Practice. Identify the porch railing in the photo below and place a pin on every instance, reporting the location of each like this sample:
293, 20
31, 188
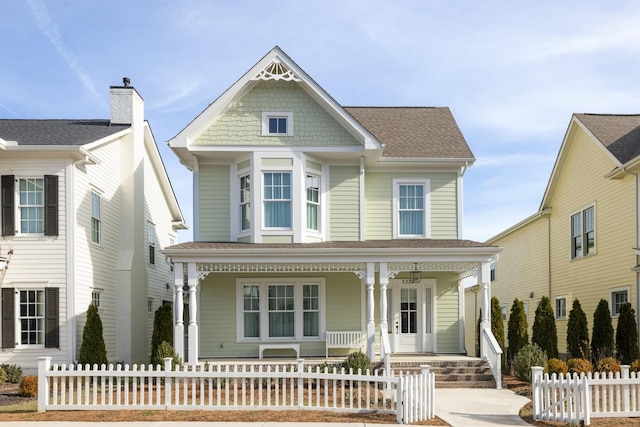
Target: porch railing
492, 353
234, 387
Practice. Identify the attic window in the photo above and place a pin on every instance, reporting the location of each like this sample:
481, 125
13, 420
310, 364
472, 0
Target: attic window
277, 123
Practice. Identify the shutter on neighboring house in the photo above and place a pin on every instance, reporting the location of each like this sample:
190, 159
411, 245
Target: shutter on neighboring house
8, 318
51, 327
50, 205
8, 209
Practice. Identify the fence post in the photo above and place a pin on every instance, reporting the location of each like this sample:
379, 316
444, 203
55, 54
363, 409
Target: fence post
536, 378
586, 400
44, 364
425, 384
300, 383
625, 388
168, 366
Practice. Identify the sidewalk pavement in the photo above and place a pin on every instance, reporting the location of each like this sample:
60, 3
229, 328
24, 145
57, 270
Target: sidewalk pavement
460, 407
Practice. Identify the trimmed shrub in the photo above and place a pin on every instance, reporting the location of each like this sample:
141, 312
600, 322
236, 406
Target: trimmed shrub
92, 349
556, 366
608, 364
635, 366
3, 376
579, 366
602, 334
577, 332
497, 324
544, 329
357, 360
166, 350
13, 373
162, 330
530, 355
627, 336
29, 386
517, 334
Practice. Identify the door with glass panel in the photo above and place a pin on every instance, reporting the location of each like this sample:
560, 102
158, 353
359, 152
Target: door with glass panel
412, 326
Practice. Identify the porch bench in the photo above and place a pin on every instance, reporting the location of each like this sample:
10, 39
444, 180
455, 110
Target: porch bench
272, 346
344, 339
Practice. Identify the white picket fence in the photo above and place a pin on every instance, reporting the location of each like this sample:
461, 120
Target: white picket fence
573, 398
234, 387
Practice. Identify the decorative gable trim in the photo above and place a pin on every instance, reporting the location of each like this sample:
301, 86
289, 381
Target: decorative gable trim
276, 70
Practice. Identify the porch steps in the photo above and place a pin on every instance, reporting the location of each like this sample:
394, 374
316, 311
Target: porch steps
453, 374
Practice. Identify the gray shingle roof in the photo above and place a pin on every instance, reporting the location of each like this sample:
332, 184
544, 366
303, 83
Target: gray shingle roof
369, 244
56, 132
619, 133
414, 132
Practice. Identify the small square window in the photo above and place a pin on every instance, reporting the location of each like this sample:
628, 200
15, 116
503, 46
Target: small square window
277, 123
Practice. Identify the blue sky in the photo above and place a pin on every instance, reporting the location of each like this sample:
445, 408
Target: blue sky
512, 73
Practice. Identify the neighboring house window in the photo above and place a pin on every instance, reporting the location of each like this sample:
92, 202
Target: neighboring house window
277, 199
619, 297
313, 202
503, 310
29, 205
282, 309
96, 217
583, 237
149, 305
561, 307
30, 317
493, 271
526, 309
277, 123
152, 244
245, 202
95, 298
411, 216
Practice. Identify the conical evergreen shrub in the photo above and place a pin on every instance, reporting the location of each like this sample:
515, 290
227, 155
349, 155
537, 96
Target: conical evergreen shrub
627, 336
92, 349
517, 334
602, 334
162, 330
497, 324
545, 334
577, 333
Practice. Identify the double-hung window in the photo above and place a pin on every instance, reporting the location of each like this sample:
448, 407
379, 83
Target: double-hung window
277, 199
30, 317
96, 217
313, 202
583, 236
287, 309
152, 243
29, 205
619, 297
411, 215
561, 307
245, 202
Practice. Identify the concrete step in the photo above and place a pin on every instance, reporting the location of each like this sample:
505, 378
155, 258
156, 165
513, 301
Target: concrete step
453, 374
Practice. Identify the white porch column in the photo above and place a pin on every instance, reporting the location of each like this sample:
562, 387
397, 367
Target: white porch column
371, 324
178, 329
485, 323
384, 322
461, 315
194, 338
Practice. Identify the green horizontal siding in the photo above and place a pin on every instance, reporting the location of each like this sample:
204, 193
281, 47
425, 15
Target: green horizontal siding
214, 209
345, 203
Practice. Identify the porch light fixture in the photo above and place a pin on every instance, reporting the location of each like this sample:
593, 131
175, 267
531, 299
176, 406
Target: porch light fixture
416, 275
4, 260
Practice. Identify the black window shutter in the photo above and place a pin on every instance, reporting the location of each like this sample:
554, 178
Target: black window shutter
50, 205
8, 209
8, 318
51, 310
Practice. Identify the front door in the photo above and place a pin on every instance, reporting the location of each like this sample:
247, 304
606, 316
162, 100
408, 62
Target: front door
412, 326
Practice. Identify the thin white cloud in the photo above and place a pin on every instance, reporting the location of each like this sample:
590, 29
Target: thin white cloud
50, 30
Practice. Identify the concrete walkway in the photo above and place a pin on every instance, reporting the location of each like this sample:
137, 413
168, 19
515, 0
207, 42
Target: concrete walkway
460, 407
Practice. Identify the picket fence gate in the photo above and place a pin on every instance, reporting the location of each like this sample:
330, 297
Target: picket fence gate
234, 387
575, 398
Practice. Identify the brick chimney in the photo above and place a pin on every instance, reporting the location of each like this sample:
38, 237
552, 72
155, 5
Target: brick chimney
127, 106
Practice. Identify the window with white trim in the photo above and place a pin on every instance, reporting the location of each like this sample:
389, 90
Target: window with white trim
95, 298
31, 205
503, 310
286, 309
313, 202
245, 202
619, 297
411, 208
278, 123
152, 243
96, 217
31, 317
561, 307
583, 235
277, 199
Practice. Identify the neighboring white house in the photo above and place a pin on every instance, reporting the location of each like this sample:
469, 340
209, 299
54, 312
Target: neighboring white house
312, 218
86, 208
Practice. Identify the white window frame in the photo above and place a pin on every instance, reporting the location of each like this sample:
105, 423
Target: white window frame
152, 241
562, 313
583, 233
503, 311
19, 206
263, 287
426, 183
615, 312
96, 297
266, 115
96, 220
317, 204
246, 202
292, 187
18, 318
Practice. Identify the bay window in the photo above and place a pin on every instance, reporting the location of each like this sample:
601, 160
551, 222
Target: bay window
313, 202
277, 199
245, 202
